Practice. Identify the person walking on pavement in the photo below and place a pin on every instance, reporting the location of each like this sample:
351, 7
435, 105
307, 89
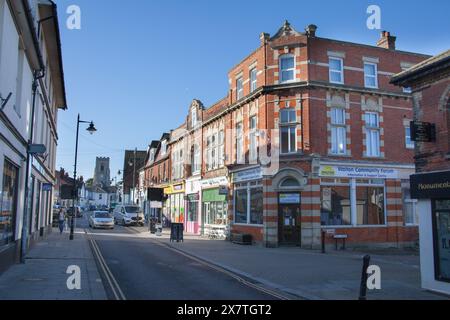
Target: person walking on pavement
61, 220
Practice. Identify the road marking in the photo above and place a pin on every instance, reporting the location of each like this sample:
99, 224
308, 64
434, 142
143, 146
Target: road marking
115, 288
224, 271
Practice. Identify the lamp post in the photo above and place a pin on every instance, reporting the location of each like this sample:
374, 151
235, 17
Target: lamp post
91, 129
134, 174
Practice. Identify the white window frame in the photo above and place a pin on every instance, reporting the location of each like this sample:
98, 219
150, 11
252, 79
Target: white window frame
248, 187
253, 79
196, 160
411, 144
193, 117
291, 125
341, 71
375, 76
239, 88
370, 131
239, 143
221, 148
285, 56
337, 129
253, 138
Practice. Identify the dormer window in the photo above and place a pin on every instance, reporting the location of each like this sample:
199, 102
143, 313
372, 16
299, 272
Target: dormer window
287, 68
163, 147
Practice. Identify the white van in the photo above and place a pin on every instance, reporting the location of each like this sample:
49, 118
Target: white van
128, 215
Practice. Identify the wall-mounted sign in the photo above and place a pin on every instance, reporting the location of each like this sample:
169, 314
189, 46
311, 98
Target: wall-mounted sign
223, 190
423, 131
289, 198
247, 175
330, 171
214, 182
156, 204
430, 185
177, 188
47, 187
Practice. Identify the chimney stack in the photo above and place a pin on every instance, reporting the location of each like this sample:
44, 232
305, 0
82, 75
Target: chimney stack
264, 37
311, 31
386, 41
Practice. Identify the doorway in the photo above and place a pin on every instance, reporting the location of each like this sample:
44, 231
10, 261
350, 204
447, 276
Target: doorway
289, 214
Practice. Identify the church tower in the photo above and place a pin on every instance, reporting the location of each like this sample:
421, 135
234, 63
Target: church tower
102, 175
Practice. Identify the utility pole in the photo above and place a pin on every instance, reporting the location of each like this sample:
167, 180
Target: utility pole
134, 176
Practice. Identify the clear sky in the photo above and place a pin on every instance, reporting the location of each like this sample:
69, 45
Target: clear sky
135, 65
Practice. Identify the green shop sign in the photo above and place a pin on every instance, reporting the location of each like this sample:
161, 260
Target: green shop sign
212, 195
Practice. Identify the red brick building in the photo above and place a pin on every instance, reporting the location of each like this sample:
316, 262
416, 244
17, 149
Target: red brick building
337, 137
430, 84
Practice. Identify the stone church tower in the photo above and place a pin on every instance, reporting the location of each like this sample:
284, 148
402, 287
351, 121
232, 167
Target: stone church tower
102, 175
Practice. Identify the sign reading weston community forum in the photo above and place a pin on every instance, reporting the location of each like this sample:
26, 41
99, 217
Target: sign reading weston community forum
357, 172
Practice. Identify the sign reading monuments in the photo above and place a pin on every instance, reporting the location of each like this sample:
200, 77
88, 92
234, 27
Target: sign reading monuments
430, 185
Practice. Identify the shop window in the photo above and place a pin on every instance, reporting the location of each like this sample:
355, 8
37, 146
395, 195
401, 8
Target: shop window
8, 204
256, 206
336, 205
410, 213
441, 234
192, 211
249, 205
370, 205
240, 211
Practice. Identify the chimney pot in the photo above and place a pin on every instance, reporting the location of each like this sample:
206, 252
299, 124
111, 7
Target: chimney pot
311, 30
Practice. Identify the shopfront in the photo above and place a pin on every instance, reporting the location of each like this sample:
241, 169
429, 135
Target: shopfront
175, 206
433, 193
248, 199
214, 213
367, 203
193, 208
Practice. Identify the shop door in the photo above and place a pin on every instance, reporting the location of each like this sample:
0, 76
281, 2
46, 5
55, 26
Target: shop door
289, 213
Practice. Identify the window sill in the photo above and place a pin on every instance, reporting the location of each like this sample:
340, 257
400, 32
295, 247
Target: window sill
374, 157
339, 155
356, 227
248, 225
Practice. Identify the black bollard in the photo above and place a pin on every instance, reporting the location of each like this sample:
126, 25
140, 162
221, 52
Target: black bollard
364, 276
323, 241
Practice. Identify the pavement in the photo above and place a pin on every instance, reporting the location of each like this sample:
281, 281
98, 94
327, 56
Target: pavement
44, 277
309, 274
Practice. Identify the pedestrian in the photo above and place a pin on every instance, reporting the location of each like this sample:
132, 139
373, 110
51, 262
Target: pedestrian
61, 220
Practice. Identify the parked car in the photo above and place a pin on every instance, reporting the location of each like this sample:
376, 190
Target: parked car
101, 219
129, 215
92, 208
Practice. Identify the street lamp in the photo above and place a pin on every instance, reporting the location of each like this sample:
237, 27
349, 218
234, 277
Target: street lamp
91, 129
133, 164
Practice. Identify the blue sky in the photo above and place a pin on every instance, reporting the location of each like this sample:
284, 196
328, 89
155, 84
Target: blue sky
135, 66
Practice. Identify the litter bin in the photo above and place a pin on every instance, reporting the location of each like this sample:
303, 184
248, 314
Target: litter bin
159, 230
176, 232
152, 225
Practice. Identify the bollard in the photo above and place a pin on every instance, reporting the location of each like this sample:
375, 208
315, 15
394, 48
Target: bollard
363, 287
323, 241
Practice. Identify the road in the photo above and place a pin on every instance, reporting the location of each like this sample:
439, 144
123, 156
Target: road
143, 269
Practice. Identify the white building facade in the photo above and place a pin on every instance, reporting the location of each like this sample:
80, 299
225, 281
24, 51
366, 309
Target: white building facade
32, 91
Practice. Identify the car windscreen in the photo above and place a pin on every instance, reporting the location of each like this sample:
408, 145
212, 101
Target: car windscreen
102, 215
132, 209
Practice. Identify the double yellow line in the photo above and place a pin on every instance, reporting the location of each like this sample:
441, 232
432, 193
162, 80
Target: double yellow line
224, 271
112, 282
